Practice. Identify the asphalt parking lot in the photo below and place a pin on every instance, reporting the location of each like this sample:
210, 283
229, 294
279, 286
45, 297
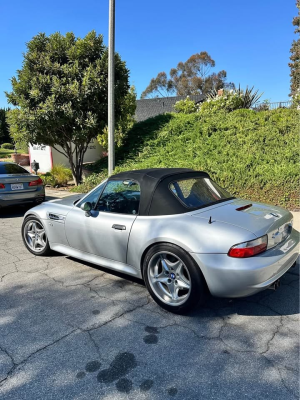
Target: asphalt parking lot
70, 330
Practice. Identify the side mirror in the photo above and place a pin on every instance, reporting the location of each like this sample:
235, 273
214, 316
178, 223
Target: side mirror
87, 208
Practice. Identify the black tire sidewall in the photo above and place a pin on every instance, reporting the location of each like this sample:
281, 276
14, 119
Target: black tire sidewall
47, 251
199, 290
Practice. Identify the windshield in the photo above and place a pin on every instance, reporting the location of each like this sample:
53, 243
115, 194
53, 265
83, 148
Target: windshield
198, 192
6, 169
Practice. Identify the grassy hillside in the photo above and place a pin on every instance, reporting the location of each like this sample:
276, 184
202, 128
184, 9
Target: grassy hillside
252, 154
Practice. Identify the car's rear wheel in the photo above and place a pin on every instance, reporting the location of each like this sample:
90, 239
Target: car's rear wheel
34, 236
173, 278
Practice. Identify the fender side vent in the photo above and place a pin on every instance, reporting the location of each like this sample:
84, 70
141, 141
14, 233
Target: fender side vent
56, 217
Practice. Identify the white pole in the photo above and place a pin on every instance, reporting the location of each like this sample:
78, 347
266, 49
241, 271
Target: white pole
111, 88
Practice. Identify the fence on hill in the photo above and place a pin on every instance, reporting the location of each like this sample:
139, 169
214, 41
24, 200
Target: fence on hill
272, 106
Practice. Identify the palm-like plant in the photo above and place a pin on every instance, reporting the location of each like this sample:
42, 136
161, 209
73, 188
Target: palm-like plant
249, 96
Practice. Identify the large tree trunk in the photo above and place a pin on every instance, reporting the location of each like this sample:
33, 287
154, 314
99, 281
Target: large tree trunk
77, 165
74, 164
75, 157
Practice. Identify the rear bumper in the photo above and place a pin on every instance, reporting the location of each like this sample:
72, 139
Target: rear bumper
240, 277
22, 198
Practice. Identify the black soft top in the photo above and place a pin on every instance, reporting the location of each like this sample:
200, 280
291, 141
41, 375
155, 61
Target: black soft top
156, 197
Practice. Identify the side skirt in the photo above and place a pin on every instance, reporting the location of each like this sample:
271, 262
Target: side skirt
97, 260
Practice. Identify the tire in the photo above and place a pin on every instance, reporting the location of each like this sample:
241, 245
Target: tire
35, 240
173, 278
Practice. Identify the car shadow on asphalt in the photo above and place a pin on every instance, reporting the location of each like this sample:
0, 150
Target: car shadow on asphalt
109, 271
15, 211
283, 301
19, 210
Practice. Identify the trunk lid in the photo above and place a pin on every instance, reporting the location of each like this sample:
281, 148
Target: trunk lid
13, 179
259, 218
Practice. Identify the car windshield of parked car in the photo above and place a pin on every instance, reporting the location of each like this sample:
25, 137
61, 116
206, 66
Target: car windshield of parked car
6, 169
198, 192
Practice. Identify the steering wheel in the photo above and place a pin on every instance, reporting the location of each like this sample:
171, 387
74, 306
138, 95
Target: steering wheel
117, 195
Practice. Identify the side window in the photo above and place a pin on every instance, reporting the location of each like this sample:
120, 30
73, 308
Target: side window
93, 196
120, 197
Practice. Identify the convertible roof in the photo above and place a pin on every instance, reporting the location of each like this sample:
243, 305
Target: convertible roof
156, 197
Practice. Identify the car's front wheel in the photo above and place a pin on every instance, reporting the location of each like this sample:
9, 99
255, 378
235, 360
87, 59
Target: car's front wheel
34, 236
173, 278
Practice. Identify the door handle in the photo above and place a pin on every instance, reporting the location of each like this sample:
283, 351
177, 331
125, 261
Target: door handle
119, 227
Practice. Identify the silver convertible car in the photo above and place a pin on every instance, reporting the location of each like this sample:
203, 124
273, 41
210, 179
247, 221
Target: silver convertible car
175, 228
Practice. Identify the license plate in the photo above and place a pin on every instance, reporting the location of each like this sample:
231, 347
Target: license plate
17, 186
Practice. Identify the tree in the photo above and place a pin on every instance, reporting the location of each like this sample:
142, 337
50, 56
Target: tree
61, 94
188, 78
124, 123
4, 128
295, 57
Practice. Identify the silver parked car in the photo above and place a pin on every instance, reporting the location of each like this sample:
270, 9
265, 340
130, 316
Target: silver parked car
175, 228
18, 186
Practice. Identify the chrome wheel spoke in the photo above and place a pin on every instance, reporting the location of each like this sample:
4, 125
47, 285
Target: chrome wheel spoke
33, 241
176, 266
161, 278
164, 264
173, 290
39, 241
33, 227
181, 284
31, 234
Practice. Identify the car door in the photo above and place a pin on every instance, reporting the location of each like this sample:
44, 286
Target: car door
105, 232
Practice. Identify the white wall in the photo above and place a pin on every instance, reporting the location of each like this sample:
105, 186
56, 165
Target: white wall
41, 154
47, 156
93, 153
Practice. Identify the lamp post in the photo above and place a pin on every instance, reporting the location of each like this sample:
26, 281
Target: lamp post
111, 88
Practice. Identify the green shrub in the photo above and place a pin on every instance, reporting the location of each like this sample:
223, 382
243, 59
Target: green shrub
186, 106
49, 179
7, 146
230, 100
226, 102
59, 176
90, 182
252, 154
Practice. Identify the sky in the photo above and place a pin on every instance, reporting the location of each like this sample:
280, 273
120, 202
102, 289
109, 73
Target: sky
251, 40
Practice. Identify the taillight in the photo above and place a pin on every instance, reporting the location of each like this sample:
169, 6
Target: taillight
36, 183
2, 186
249, 249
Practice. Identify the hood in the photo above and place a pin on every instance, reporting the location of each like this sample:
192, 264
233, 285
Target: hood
259, 218
67, 201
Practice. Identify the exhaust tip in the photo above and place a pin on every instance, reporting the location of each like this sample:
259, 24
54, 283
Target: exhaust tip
275, 285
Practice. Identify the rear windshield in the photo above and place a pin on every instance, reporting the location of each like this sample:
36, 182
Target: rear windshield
12, 169
198, 192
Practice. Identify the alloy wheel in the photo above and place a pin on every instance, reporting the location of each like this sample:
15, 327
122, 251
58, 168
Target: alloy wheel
35, 236
169, 278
